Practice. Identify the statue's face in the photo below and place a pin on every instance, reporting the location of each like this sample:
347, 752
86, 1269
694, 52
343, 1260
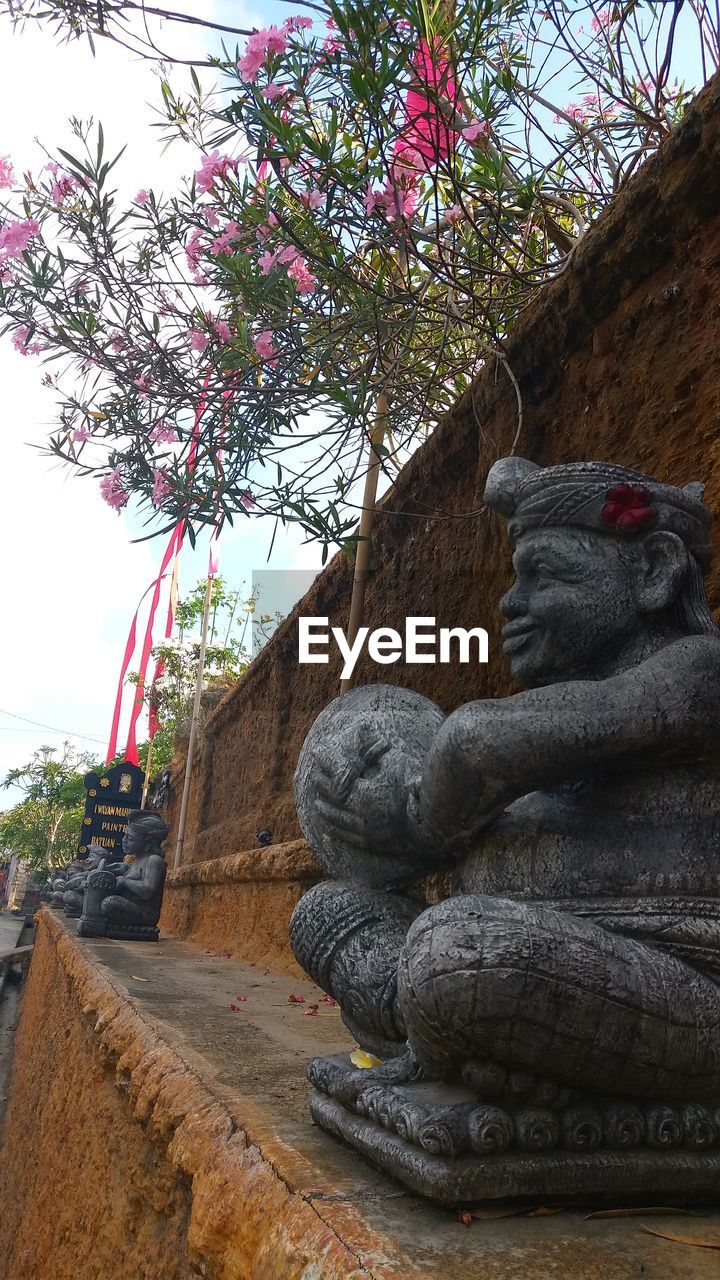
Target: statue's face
571, 609
133, 840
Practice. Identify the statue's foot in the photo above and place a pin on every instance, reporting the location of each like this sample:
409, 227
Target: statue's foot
339, 1078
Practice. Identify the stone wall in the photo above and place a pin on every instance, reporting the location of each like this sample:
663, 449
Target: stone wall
619, 358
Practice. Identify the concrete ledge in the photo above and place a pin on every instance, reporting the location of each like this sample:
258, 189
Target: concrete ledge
152, 1132
240, 906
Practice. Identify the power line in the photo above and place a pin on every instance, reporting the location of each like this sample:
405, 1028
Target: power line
53, 728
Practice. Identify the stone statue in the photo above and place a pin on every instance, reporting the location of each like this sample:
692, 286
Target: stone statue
553, 1027
126, 903
74, 890
77, 866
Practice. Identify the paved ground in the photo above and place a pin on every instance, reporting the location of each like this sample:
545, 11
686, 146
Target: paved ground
255, 1058
10, 929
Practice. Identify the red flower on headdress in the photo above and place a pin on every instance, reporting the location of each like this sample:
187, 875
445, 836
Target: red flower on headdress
629, 508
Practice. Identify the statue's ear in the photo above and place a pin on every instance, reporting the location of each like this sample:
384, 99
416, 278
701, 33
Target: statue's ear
663, 571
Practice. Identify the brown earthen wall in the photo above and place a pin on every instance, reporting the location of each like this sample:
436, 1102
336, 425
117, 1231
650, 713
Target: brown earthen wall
124, 1157
618, 359
84, 1192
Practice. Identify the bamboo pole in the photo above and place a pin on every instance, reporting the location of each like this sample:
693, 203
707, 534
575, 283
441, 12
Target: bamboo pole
367, 521
193, 727
148, 762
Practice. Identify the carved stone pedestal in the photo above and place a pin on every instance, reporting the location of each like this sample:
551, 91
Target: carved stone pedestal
132, 932
92, 923
452, 1146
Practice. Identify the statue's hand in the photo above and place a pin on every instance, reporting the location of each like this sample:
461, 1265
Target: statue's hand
335, 783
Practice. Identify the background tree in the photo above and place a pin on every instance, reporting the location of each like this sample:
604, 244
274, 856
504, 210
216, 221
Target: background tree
236, 624
45, 826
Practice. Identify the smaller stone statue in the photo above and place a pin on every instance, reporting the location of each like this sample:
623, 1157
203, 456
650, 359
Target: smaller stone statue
126, 904
161, 793
75, 882
58, 885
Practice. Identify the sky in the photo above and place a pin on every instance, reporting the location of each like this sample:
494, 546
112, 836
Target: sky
70, 574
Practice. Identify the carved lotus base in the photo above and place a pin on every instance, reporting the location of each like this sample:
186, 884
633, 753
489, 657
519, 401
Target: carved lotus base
446, 1143
132, 932
91, 927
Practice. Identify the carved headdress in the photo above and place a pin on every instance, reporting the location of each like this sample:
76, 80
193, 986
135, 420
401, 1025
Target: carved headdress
598, 496
613, 500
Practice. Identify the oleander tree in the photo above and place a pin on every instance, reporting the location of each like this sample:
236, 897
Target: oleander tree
375, 191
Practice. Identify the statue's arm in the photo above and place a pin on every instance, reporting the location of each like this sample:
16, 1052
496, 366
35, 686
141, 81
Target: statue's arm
148, 883
489, 753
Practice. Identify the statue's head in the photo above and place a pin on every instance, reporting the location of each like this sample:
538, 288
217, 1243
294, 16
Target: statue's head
608, 564
144, 833
364, 748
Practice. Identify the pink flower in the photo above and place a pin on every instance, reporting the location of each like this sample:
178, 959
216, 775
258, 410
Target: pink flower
63, 185
275, 40
193, 249
601, 22
295, 998
163, 434
480, 129
143, 385
214, 168
373, 196
20, 342
111, 489
575, 112
331, 45
312, 199
161, 487
142, 197
261, 43
198, 340
80, 435
250, 65
118, 342
7, 177
222, 243
16, 236
211, 216
299, 272
266, 262
297, 23
264, 345
454, 214
288, 254
273, 90
248, 501
222, 329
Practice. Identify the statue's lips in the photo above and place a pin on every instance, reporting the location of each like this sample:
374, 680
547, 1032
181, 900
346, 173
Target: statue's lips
516, 636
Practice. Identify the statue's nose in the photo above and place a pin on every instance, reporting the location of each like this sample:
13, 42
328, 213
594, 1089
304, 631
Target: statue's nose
514, 602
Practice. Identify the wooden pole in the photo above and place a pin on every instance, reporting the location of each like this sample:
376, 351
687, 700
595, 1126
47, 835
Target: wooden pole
193, 727
146, 783
367, 520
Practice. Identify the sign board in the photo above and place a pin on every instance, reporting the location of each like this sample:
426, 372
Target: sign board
111, 798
